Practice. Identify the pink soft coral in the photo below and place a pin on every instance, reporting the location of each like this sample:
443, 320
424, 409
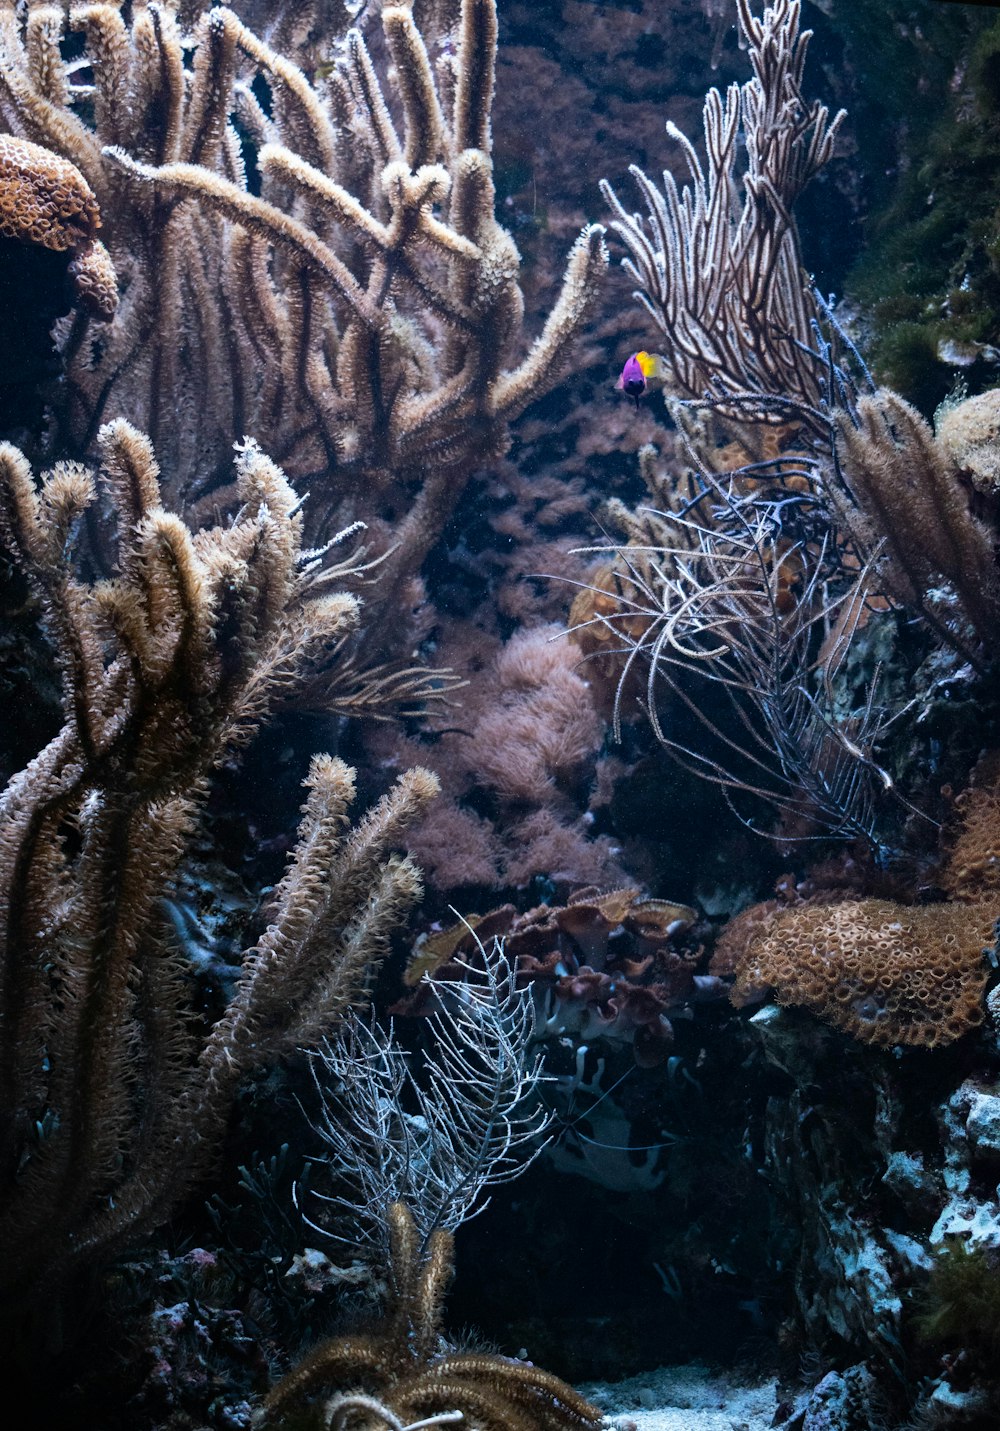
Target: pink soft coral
541, 727
522, 748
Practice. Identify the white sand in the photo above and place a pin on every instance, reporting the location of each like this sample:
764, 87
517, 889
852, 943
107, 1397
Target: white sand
686, 1398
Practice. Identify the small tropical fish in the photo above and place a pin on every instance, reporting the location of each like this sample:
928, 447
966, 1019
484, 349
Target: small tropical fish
642, 373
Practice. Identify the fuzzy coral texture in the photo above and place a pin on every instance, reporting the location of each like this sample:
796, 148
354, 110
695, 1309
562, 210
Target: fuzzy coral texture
969, 432
883, 973
512, 763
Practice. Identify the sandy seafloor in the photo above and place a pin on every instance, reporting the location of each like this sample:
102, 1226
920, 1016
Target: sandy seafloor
685, 1398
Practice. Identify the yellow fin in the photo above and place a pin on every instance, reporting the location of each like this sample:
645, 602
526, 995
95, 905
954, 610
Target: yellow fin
652, 365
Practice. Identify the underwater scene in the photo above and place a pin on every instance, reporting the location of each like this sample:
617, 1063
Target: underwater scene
500, 715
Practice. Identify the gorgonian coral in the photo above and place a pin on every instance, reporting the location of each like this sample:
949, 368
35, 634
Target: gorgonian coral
112, 1100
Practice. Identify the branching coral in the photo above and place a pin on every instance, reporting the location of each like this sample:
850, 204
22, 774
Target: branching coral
734, 596
743, 584
360, 313
110, 1109
414, 1152
755, 572
438, 1132
907, 491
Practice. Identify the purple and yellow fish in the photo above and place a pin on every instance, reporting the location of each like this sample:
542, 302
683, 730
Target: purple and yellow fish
642, 373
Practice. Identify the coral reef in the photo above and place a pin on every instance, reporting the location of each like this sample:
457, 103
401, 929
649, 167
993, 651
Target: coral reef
342, 227
351, 298
876, 1170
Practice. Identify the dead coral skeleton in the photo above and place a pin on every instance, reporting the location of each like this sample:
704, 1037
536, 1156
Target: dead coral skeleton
112, 1103
350, 299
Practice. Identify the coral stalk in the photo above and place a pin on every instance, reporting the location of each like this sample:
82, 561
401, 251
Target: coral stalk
110, 1109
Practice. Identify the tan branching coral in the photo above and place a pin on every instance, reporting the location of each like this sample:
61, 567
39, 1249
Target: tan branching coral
45, 200
883, 972
541, 728
352, 300
112, 1103
402, 1371
907, 489
757, 568
736, 608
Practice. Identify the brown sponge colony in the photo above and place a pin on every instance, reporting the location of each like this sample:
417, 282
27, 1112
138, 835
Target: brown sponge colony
883, 972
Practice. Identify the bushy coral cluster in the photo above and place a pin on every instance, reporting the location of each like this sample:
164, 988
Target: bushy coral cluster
969, 431
885, 973
513, 764
542, 726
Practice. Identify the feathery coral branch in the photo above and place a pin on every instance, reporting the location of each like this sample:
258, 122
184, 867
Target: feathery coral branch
108, 1110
